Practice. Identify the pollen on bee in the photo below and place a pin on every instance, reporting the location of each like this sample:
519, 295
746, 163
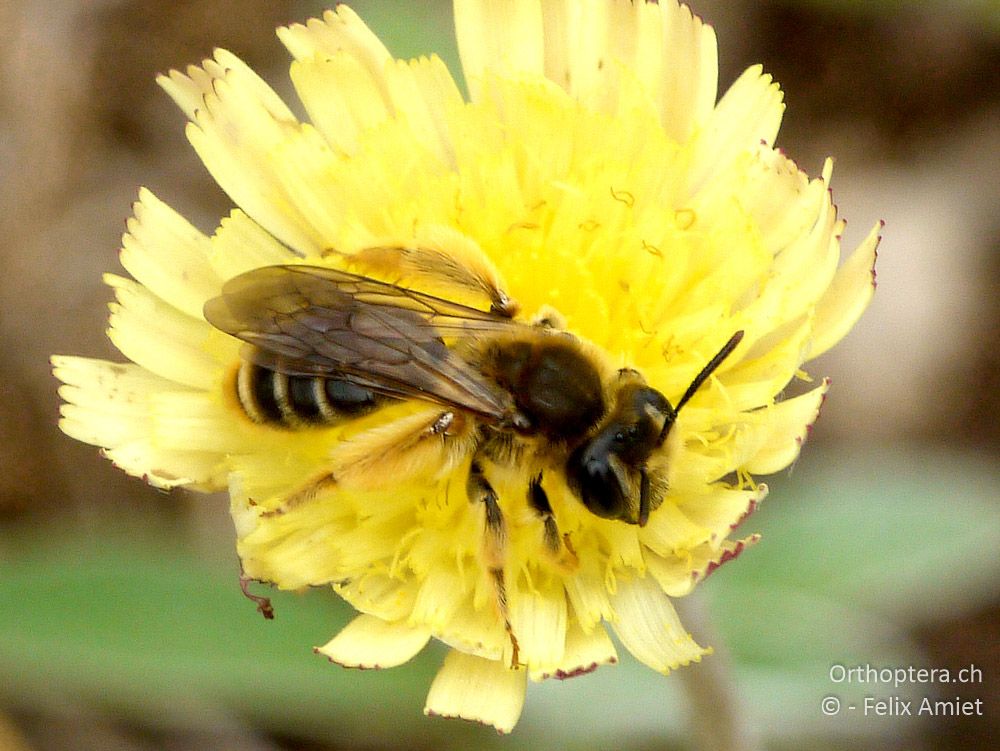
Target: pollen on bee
562, 555
230, 389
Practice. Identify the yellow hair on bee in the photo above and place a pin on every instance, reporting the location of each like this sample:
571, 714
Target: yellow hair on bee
441, 261
428, 443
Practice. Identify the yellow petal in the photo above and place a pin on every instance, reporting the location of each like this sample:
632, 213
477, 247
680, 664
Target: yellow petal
772, 359
238, 131
159, 337
748, 113
678, 574
722, 510
112, 405
584, 653
776, 441
189, 90
671, 529
390, 598
585, 43
475, 689
422, 92
293, 550
687, 520
689, 83
478, 632
538, 617
200, 421
441, 594
240, 244
235, 70
167, 255
107, 403
165, 468
339, 30
671, 52
342, 98
498, 36
847, 297
784, 202
370, 642
803, 269
349, 82
729, 551
648, 626
588, 594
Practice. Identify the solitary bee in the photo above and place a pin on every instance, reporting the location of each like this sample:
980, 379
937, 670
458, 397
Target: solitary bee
327, 345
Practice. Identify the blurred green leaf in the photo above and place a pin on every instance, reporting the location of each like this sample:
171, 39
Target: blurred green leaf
857, 549
910, 534
142, 627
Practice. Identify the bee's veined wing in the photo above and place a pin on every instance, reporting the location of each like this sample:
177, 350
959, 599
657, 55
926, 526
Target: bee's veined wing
462, 273
315, 321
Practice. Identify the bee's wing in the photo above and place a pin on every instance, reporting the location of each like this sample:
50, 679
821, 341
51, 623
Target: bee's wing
462, 273
314, 321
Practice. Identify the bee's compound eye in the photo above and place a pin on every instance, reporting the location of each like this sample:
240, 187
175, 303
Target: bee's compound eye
593, 478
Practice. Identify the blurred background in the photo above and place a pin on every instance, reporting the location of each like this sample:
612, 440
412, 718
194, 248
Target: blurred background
122, 624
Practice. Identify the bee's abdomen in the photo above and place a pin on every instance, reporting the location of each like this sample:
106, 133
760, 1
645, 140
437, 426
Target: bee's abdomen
267, 396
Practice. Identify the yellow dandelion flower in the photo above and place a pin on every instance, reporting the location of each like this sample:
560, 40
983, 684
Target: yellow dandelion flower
433, 354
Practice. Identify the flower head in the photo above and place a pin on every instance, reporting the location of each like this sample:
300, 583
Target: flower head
593, 178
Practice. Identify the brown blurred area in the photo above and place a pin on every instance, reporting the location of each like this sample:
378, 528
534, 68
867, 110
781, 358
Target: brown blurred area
908, 101
84, 125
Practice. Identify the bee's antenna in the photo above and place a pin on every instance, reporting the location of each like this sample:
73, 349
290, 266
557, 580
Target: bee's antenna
699, 379
714, 363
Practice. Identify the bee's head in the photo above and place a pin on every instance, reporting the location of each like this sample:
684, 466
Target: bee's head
608, 471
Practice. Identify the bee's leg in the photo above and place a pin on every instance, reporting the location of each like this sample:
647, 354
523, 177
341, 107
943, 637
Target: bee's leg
644, 499
538, 499
558, 547
428, 442
494, 546
315, 486
549, 318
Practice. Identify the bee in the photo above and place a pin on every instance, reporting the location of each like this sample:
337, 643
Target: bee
324, 346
